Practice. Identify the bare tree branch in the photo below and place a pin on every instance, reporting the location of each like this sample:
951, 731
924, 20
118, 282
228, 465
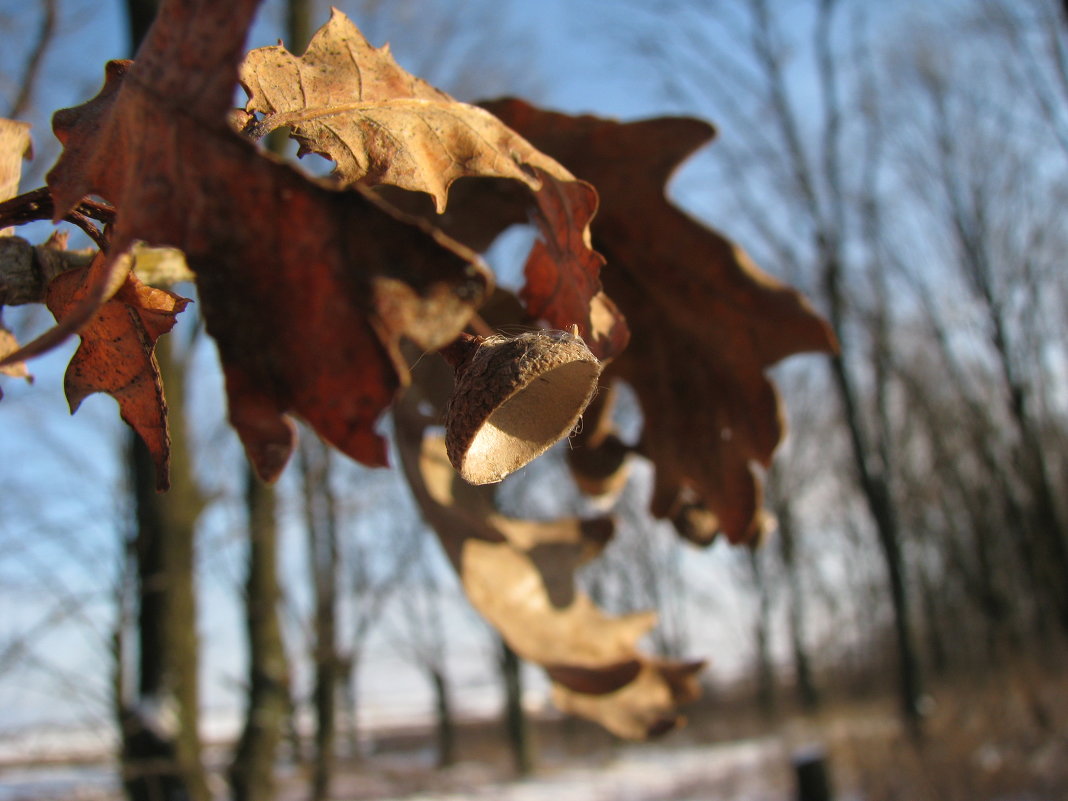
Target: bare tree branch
32, 71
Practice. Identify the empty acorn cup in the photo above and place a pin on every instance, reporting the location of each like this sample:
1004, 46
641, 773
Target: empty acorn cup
514, 398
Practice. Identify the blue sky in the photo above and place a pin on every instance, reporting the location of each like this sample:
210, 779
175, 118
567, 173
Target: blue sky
62, 508
63, 474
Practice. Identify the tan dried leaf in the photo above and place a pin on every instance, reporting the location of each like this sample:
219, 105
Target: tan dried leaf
15, 147
520, 576
353, 103
9, 345
382, 126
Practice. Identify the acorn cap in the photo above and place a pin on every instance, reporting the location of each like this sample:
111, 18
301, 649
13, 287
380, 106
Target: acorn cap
515, 397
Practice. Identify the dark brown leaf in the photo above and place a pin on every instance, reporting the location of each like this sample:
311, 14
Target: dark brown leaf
706, 321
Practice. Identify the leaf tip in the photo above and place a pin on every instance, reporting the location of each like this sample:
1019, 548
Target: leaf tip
269, 456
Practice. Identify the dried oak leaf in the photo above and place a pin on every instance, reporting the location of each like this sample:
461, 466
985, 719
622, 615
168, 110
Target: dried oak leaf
9, 345
598, 458
520, 576
116, 354
15, 147
645, 707
306, 290
352, 103
707, 322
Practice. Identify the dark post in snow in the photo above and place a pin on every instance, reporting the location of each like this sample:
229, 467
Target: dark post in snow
813, 778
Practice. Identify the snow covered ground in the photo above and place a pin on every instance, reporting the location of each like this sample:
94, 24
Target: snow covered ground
744, 771
59, 783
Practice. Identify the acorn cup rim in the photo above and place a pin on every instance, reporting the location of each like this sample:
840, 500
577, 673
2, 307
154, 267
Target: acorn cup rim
515, 397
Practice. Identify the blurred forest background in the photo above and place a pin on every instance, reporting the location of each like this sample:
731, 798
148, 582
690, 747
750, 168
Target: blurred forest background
905, 165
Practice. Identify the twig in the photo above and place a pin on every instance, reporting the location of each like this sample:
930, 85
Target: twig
94, 233
26, 207
37, 205
36, 58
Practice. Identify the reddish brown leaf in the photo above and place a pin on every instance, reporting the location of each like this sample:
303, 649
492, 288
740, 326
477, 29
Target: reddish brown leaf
706, 321
116, 354
103, 277
380, 125
562, 273
306, 290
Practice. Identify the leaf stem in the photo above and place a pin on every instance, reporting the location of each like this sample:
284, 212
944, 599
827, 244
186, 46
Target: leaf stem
459, 352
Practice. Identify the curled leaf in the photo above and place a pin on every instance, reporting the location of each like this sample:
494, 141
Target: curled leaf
98, 282
520, 576
352, 103
647, 706
381, 126
116, 353
562, 272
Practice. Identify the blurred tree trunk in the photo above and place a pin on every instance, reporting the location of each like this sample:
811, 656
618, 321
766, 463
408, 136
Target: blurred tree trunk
321, 523
434, 662
268, 702
872, 447
269, 712
820, 190
765, 670
349, 669
874, 484
161, 741
423, 638
299, 24
786, 535
444, 719
139, 16
517, 726
160, 730
933, 625
372, 574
